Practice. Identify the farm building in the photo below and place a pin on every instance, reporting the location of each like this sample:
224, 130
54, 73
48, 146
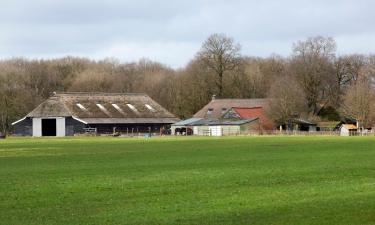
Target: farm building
327, 125
214, 127
242, 109
298, 124
184, 127
237, 109
67, 114
348, 130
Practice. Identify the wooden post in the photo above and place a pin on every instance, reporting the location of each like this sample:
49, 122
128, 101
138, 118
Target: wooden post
259, 126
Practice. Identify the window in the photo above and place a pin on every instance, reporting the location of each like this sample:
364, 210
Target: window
118, 108
223, 110
209, 111
101, 107
132, 107
81, 106
150, 108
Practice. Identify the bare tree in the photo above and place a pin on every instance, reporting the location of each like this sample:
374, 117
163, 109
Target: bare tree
220, 54
359, 102
313, 68
286, 100
312, 72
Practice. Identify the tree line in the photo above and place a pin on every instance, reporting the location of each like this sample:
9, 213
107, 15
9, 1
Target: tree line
313, 82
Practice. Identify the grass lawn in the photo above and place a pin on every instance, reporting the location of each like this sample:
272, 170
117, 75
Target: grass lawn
257, 180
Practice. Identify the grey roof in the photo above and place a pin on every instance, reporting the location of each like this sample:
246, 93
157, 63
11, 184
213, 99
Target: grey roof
100, 106
220, 106
214, 122
187, 122
303, 121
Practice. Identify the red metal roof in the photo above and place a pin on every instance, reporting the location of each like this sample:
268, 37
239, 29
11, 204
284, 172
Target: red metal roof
255, 112
247, 113
217, 106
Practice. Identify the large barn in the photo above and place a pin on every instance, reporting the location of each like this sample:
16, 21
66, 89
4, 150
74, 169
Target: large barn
67, 114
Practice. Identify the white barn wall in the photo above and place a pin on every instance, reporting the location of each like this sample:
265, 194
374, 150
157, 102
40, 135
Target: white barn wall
216, 131
197, 130
231, 130
344, 131
60, 127
37, 127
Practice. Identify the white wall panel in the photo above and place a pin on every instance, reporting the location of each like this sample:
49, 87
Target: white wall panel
216, 131
37, 127
60, 127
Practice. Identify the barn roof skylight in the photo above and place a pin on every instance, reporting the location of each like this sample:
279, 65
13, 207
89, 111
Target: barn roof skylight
150, 108
101, 107
81, 106
132, 107
118, 108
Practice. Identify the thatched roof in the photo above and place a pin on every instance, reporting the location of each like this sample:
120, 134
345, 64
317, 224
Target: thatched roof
106, 106
217, 107
129, 120
52, 107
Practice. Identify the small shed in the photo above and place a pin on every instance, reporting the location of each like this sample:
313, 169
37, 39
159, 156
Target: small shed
299, 124
348, 130
183, 126
207, 127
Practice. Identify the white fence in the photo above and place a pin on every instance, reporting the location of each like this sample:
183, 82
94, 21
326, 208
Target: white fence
236, 132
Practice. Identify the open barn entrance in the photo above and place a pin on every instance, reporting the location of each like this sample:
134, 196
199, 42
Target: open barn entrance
48, 127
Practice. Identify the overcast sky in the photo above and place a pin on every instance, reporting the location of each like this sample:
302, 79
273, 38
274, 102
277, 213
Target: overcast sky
172, 32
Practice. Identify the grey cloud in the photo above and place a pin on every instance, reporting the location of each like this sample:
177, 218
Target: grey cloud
45, 28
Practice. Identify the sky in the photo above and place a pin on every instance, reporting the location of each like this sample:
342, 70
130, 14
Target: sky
171, 32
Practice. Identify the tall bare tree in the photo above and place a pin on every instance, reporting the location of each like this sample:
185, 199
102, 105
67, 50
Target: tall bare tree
286, 100
359, 102
313, 71
220, 54
312, 67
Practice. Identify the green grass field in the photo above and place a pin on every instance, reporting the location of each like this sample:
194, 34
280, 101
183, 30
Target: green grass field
258, 180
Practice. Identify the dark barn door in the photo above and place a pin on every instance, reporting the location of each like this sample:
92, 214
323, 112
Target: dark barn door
48, 127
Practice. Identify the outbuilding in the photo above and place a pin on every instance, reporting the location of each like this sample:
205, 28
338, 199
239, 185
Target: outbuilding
184, 127
238, 109
67, 114
225, 127
348, 130
299, 124
213, 127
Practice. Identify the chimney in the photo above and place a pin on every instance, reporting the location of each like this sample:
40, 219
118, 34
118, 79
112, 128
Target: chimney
213, 97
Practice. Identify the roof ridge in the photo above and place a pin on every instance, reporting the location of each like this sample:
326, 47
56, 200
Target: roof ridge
235, 107
239, 99
95, 93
